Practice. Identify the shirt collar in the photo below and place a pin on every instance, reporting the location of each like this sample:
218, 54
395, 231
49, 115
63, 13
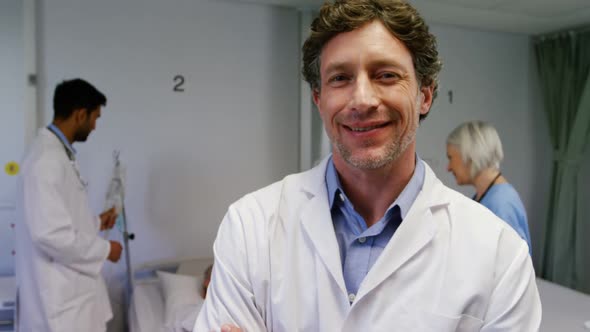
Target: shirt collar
332, 182
62, 138
404, 200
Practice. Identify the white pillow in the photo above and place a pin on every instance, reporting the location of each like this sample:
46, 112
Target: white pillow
182, 294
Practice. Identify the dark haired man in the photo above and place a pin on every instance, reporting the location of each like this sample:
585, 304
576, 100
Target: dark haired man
59, 253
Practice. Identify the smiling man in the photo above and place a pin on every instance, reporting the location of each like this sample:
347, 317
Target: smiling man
370, 239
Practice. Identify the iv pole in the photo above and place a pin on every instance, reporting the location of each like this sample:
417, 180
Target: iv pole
126, 238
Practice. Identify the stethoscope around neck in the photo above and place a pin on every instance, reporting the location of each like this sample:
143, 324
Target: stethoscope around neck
72, 159
83, 183
488, 188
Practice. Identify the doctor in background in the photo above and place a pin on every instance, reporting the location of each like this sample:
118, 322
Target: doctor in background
370, 239
474, 150
59, 253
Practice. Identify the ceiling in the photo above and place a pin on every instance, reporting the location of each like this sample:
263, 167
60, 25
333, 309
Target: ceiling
531, 17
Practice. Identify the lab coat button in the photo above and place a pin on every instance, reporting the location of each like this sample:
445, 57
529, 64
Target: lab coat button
342, 198
351, 297
362, 239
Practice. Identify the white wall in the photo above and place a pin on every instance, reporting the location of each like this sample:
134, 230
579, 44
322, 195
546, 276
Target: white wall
12, 136
188, 155
493, 78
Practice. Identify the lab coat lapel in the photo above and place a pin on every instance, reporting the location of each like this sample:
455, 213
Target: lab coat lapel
317, 223
415, 232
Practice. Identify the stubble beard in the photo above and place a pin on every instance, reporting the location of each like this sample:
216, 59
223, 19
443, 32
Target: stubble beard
386, 154
81, 135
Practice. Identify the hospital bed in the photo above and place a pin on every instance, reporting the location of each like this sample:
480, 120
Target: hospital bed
564, 310
147, 312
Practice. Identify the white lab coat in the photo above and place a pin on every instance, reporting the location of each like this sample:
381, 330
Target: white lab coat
450, 266
59, 254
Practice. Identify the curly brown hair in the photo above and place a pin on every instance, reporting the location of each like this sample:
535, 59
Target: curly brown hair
400, 18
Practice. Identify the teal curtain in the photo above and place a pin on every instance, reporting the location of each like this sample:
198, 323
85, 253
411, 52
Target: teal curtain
564, 67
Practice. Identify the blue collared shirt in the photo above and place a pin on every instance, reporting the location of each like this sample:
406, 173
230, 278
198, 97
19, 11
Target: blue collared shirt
62, 138
360, 246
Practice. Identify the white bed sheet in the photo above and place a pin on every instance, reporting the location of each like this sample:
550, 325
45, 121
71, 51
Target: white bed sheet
564, 309
147, 307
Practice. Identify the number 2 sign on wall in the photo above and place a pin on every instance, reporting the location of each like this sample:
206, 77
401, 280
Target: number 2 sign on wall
178, 83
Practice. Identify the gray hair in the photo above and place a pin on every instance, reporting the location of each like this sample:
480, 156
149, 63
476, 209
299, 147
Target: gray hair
479, 144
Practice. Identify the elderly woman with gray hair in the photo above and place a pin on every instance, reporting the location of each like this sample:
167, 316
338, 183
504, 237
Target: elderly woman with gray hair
475, 151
